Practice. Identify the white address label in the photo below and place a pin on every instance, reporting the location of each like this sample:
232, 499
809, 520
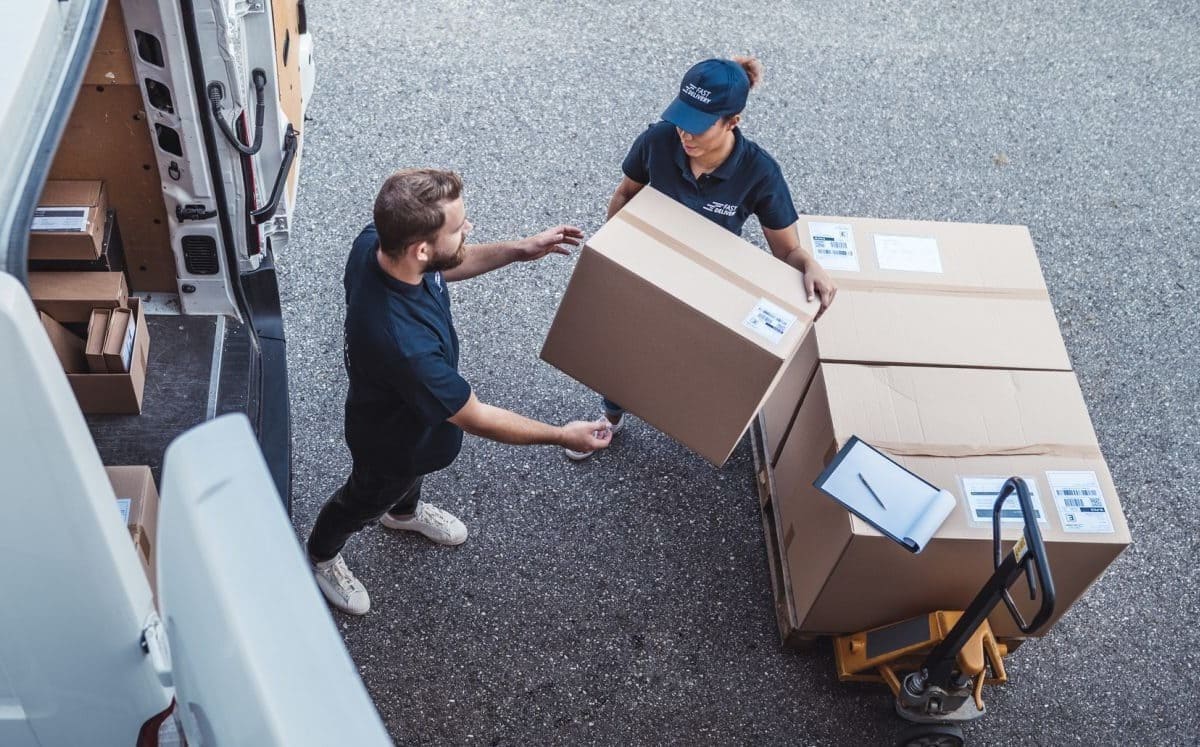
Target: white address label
1080, 502
908, 253
769, 321
982, 493
123, 505
833, 246
69, 219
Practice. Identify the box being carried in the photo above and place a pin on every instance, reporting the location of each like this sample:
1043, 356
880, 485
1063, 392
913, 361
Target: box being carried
680, 322
923, 293
963, 430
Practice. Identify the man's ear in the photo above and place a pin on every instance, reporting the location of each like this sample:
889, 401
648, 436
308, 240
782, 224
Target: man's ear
419, 249
733, 121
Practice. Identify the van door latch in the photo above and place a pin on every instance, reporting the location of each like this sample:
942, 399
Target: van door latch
193, 212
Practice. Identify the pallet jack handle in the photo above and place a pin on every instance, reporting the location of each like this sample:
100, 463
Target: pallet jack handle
1027, 557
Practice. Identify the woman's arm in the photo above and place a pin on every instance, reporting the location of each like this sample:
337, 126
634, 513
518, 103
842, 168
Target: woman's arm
785, 244
625, 192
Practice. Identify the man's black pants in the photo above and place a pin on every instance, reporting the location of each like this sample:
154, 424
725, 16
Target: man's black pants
364, 498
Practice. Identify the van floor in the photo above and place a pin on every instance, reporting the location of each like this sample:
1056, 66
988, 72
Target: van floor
198, 368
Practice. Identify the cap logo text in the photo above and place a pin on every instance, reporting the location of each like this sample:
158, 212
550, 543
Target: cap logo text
702, 95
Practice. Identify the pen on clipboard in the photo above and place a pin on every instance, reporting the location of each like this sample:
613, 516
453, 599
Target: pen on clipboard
872, 491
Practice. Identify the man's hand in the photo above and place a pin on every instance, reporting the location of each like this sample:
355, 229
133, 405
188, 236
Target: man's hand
586, 436
549, 241
818, 284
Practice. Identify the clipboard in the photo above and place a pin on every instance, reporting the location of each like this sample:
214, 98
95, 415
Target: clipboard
899, 504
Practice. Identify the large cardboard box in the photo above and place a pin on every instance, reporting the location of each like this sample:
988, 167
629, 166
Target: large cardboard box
964, 430
923, 293
118, 393
679, 321
137, 500
69, 297
69, 221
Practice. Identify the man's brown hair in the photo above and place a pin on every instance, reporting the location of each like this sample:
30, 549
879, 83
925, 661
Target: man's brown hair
409, 207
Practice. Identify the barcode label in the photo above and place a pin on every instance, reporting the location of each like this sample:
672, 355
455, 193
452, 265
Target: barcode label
65, 219
769, 321
833, 246
982, 492
1080, 502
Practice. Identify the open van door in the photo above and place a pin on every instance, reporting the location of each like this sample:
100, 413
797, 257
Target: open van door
256, 656
247, 649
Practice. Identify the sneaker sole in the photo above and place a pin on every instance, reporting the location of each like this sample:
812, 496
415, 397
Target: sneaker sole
395, 528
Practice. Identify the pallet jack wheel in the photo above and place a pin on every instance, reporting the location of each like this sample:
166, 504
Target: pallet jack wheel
931, 735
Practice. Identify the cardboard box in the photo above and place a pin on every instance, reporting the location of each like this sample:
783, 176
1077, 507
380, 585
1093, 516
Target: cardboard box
137, 500
957, 428
69, 221
97, 333
111, 259
118, 342
69, 297
117, 393
680, 321
978, 300
67, 345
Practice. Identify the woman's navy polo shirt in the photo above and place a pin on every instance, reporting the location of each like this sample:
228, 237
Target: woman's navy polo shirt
401, 354
749, 182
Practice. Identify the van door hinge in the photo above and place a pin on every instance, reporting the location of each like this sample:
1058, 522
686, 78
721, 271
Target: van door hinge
154, 644
243, 8
193, 212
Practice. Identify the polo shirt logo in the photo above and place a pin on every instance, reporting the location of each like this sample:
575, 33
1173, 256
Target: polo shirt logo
703, 95
721, 208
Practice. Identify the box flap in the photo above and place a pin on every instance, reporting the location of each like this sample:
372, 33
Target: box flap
64, 192
941, 328
68, 345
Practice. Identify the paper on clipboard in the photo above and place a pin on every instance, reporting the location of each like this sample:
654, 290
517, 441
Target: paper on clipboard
898, 503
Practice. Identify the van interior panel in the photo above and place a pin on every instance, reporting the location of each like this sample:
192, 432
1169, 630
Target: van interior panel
107, 138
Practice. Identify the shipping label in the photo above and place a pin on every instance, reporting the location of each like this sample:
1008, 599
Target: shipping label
769, 321
1080, 502
66, 219
981, 494
123, 505
833, 246
908, 253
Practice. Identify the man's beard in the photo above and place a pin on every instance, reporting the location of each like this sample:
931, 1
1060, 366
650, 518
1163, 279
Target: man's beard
449, 261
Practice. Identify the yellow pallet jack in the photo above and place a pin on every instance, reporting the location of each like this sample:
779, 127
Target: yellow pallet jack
937, 664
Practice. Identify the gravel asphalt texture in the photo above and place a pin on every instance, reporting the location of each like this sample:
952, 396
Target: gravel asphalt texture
626, 599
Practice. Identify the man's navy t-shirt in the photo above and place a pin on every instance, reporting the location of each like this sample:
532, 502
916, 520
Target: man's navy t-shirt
402, 359
749, 182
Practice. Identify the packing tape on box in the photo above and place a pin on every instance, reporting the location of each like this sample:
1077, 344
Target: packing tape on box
714, 267
927, 289
955, 451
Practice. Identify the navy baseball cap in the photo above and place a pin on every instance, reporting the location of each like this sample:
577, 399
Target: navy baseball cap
710, 90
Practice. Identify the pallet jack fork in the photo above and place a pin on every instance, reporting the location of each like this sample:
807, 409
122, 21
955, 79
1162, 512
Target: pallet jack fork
937, 664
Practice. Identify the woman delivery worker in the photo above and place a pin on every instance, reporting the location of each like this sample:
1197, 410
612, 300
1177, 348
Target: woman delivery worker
698, 156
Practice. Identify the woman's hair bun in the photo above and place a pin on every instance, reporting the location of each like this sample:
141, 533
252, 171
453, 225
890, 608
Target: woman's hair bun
753, 68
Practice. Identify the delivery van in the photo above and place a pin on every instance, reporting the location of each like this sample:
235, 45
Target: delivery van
154, 587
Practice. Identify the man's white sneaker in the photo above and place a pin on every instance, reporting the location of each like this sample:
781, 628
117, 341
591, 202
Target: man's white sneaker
340, 587
579, 456
440, 526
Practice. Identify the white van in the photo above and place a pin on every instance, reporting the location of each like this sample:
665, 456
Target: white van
149, 152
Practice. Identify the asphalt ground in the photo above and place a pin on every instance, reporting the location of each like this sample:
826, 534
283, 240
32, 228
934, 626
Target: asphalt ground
626, 599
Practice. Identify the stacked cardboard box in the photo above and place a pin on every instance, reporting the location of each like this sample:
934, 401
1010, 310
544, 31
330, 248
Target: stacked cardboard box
942, 350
